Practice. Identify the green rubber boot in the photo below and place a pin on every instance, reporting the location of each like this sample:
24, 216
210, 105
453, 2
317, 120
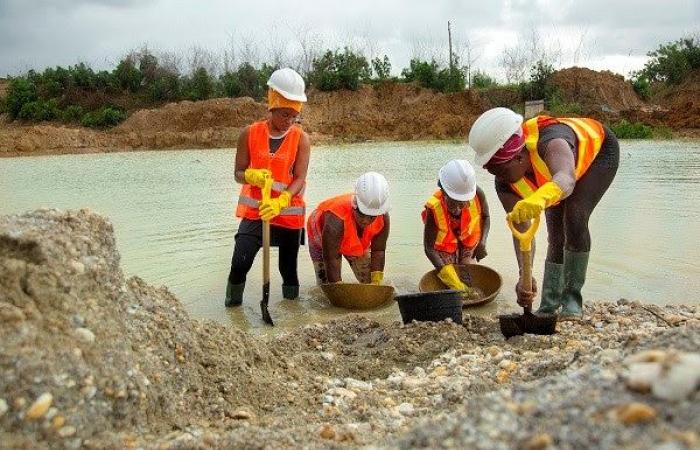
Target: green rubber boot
552, 288
575, 266
234, 294
290, 292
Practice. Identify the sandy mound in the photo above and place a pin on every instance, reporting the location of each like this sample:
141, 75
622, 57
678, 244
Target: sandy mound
392, 111
597, 92
193, 116
682, 103
90, 359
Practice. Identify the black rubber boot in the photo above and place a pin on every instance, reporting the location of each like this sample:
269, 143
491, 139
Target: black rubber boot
234, 294
290, 292
575, 267
552, 288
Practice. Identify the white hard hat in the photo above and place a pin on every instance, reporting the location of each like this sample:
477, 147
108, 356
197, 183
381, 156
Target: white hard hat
458, 180
288, 83
491, 130
372, 194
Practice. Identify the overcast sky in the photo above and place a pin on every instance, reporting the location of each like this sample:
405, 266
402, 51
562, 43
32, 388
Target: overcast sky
601, 34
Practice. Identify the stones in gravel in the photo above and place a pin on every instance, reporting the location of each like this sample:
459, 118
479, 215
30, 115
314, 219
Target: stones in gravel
541, 441
668, 375
633, 413
66, 431
3, 407
85, 335
40, 406
327, 432
406, 409
241, 415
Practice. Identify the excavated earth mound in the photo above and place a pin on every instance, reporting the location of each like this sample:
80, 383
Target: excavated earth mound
92, 359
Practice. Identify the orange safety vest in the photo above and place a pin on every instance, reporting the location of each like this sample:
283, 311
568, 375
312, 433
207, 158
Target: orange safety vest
589, 133
341, 207
469, 224
281, 164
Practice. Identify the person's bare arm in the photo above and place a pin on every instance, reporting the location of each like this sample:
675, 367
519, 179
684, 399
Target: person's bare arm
485, 217
242, 156
378, 248
429, 235
332, 236
560, 161
301, 165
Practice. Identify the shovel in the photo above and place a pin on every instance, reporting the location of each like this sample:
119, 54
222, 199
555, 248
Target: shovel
514, 324
267, 189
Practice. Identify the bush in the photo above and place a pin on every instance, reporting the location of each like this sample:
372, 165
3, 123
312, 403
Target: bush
200, 86
430, 75
40, 110
558, 107
628, 130
642, 86
335, 71
19, 92
481, 80
105, 117
72, 113
671, 63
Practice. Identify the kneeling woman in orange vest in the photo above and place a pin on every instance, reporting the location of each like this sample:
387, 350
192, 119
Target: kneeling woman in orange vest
355, 226
456, 222
275, 148
562, 165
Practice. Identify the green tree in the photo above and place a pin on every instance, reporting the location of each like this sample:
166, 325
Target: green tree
127, 75
671, 63
200, 86
335, 70
382, 68
19, 92
482, 80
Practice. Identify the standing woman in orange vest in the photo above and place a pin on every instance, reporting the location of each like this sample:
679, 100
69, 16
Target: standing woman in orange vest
563, 165
456, 222
354, 226
278, 148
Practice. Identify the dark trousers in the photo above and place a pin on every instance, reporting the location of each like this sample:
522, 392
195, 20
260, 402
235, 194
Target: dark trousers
248, 244
567, 222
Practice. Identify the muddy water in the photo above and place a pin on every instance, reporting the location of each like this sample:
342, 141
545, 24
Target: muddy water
172, 213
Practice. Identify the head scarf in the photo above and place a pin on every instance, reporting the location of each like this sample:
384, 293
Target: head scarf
511, 148
276, 100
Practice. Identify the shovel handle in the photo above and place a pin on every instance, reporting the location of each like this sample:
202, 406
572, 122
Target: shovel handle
266, 192
525, 238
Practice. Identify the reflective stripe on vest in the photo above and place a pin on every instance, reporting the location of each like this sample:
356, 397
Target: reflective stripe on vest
469, 226
341, 207
281, 164
589, 134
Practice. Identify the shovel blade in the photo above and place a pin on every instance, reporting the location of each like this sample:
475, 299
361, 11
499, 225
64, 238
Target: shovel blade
263, 305
519, 324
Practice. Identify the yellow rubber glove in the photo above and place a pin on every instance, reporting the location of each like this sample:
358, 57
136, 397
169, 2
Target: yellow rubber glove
377, 277
448, 275
256, 177
531, 207
272, 208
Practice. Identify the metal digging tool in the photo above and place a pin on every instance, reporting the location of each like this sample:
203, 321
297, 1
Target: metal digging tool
266, 258
516, 324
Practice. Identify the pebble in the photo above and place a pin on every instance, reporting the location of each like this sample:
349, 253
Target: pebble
85, 335
406, 409
66, 431
540, 441
241, 415
58, 422
634, 413
327, 432
3, 407
669, 375
357, 385
40, 406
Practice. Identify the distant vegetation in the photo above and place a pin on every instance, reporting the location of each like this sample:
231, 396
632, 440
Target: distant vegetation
100, 99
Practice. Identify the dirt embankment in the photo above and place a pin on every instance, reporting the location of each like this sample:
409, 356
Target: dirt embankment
391, 111
90, 359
